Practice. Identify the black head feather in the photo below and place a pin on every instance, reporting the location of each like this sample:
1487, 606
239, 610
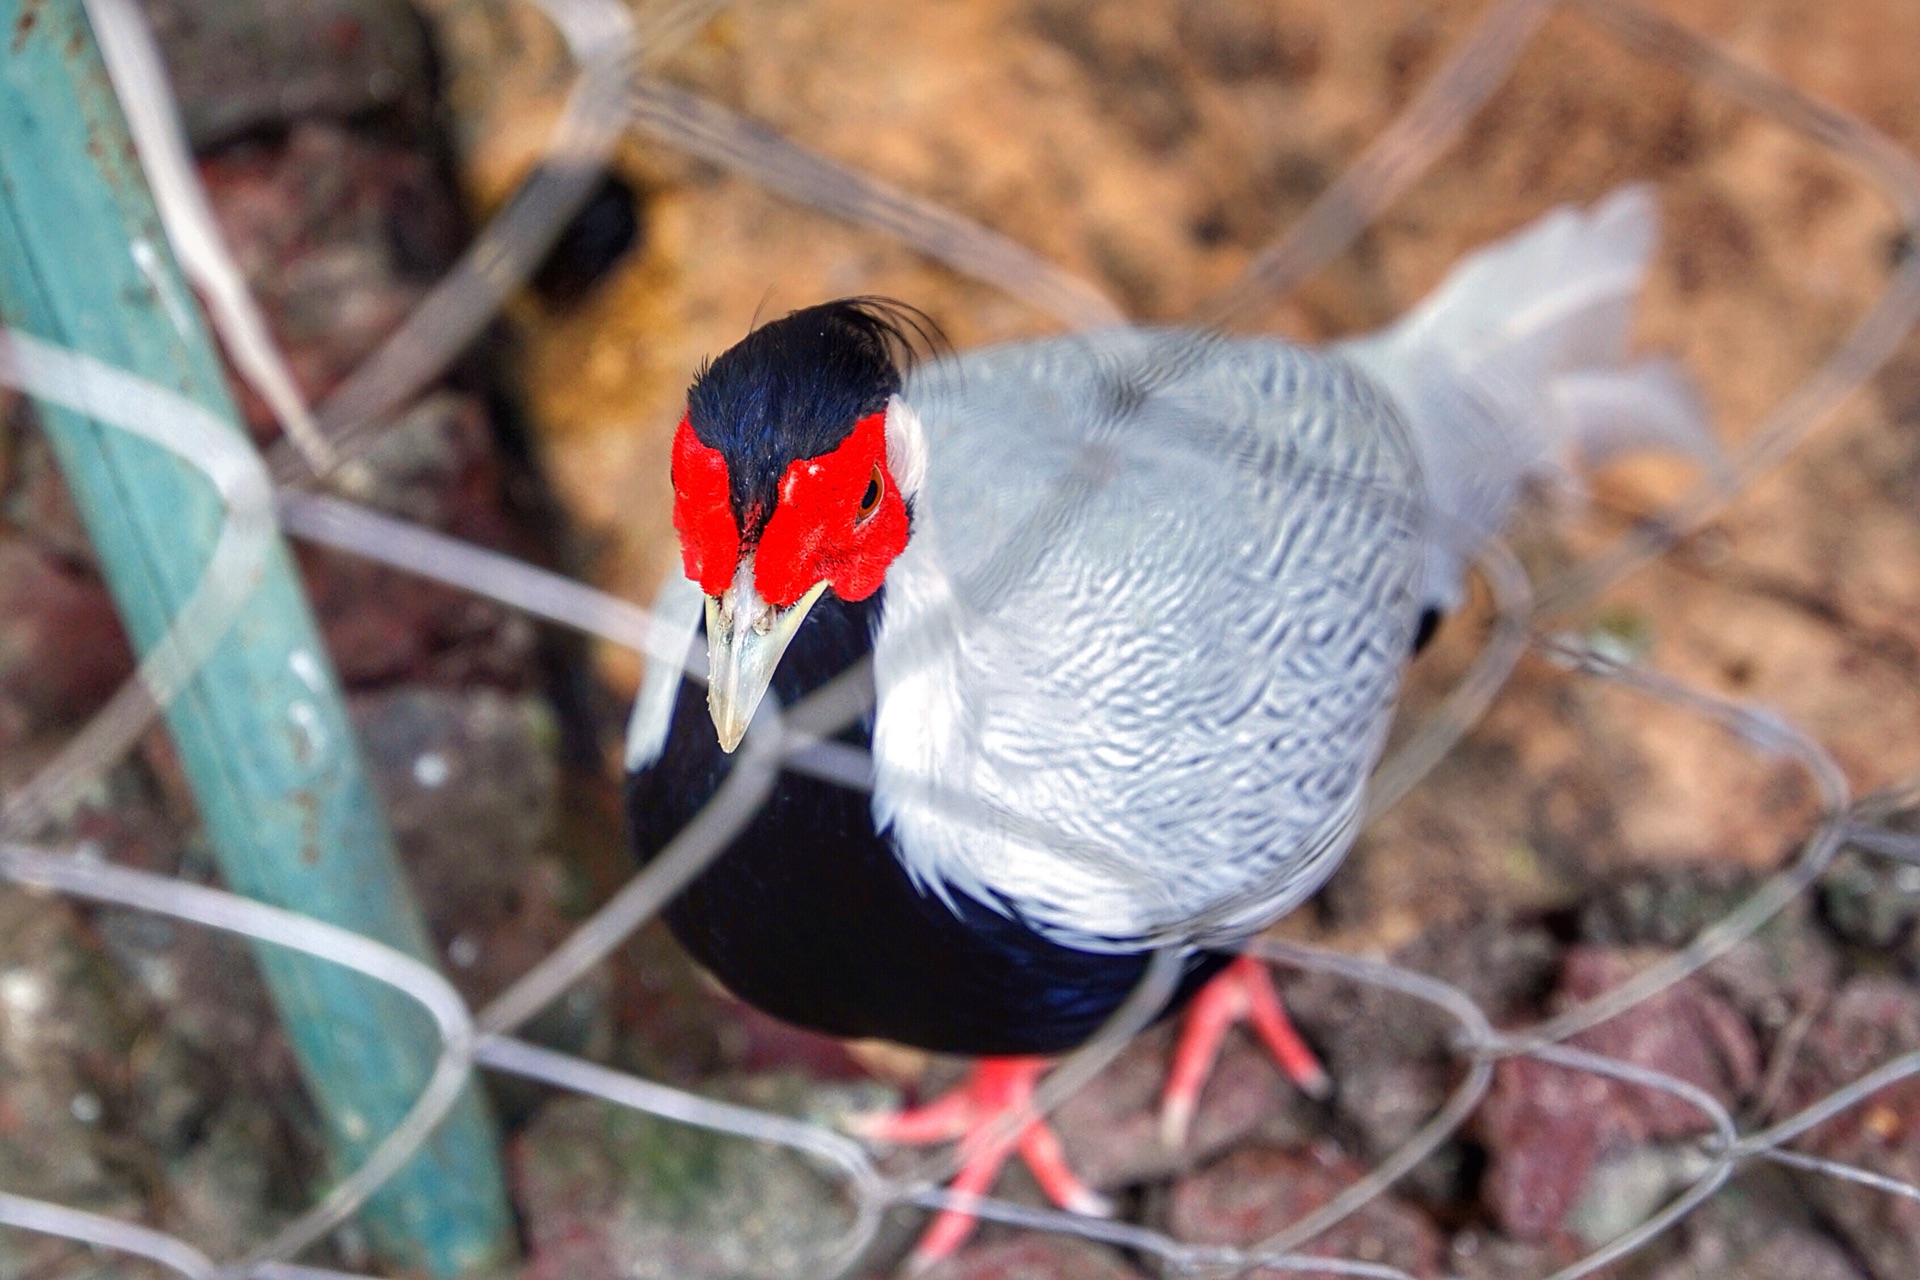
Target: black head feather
795, 387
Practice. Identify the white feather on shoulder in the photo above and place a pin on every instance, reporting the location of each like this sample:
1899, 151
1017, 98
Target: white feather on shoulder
1139, 700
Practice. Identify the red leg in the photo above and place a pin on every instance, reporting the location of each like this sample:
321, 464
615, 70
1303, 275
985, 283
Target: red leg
951, 1227
973, 1113
1276, 1031
1040, 1148
1243, 991
1218, 1006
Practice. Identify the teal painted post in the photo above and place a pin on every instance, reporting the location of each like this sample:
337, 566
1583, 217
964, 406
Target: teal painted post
262, 732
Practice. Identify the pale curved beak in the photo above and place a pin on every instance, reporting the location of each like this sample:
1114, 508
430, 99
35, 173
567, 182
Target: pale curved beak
745, 638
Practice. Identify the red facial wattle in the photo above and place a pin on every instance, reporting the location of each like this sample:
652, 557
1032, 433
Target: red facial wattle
703, 512
837, 518
819, 533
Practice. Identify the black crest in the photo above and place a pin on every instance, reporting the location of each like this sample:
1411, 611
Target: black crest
793, 388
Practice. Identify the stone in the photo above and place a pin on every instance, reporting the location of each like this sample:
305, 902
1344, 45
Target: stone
470, 783
244, 68
64, 1024
1505, 964
1544, 1125
1795, 1255
1625, 1188
233, 1188
1258, 1191
606, 1191
1787, 965
434, 467
1870, 1021
1110, 1128
1034, 1255
62, 649
339, 234
1687, 1031
1758, 1227
1392, 1067
1663, 906
1874, 902
125, 1091
1476, 1253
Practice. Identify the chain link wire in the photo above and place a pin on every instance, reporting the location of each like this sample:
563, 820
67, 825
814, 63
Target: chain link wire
613, 94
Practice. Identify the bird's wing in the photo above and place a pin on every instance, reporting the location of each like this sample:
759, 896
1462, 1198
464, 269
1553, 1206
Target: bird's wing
1139, 656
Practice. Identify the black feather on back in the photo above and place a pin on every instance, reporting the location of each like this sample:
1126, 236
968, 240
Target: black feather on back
794, 388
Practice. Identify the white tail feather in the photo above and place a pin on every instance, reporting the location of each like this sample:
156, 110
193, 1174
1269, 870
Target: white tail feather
1518, 360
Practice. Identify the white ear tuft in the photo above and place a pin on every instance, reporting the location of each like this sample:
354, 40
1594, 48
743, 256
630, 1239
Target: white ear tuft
906, 446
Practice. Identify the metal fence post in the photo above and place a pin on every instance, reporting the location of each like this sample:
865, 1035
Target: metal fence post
263, 731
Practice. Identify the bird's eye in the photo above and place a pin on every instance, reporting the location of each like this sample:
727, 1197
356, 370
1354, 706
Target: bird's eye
870, 500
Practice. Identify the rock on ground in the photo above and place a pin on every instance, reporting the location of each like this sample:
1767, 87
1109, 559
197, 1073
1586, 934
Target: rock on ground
1758, 1228
1544, 1124
609, 1192
1034, 1256
1870, 1022
62, 650
1110, 1128
1258, 1191
249, 67
1874, 902
141, 1077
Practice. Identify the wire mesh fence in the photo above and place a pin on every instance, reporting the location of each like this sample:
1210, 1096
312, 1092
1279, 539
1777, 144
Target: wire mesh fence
614, 93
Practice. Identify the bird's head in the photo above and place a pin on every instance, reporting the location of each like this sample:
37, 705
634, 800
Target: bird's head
793, 476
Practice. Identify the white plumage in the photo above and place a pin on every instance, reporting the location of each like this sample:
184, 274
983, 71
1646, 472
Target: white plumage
1139, 654
1141, 651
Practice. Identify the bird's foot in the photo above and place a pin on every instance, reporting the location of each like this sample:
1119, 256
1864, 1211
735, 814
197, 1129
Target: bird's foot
1243, 991
975, 1115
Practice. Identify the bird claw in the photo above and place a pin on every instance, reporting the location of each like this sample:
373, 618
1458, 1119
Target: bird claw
1176, 1120
1242, 992
976, 1114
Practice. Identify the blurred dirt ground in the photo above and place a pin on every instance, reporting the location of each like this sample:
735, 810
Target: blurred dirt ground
1153, 146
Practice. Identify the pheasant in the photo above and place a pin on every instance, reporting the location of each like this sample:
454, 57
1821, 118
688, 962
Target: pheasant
1137, 603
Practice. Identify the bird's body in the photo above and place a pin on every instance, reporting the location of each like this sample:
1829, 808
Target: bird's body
1281, 498
1137, 602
